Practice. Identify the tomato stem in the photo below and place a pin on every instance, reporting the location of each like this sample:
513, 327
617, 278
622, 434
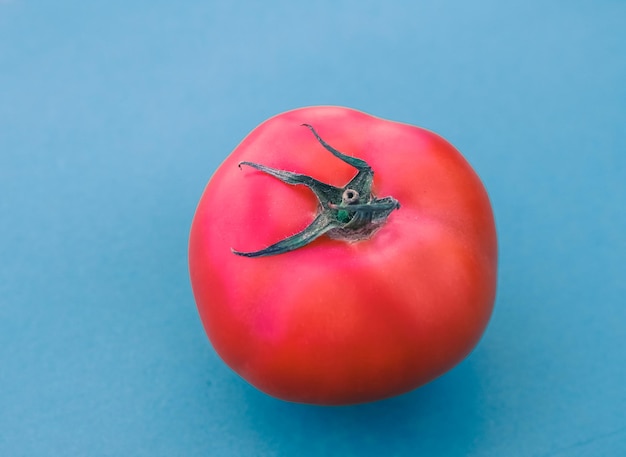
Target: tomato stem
349, 213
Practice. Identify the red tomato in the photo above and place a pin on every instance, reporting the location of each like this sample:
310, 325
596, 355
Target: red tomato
381, 285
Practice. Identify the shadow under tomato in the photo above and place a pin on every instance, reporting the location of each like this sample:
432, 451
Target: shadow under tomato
441, 418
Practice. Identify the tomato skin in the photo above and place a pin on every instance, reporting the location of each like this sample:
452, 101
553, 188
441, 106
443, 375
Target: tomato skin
337, 322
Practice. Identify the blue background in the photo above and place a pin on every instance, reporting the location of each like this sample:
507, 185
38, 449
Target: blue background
113, 116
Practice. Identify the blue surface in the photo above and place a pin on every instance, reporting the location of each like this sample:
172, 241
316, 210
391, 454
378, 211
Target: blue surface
113, 115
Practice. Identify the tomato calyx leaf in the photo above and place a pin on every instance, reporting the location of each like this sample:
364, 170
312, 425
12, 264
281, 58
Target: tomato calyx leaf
350, 213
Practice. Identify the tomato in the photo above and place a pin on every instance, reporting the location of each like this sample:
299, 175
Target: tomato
338, 258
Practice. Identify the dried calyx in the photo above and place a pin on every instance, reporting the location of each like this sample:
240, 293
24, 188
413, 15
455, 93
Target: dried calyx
350, 213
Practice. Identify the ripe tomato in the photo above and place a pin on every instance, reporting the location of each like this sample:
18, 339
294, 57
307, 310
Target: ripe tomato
374, 273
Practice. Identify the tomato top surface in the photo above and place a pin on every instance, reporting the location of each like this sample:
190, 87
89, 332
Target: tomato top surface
338, 322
